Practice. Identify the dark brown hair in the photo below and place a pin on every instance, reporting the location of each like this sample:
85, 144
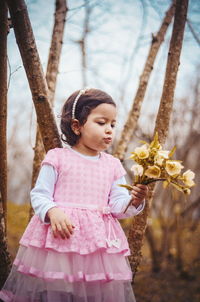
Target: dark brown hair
86, 102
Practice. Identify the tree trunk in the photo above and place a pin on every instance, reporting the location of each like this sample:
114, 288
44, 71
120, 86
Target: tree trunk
178, 241
173, 62
137, 230
26, 43
136, 237
51, 77
56, 47
5, 262
134, 114
82, 42
155, 253
3, 104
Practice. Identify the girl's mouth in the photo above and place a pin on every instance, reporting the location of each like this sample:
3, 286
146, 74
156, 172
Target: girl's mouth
107, 140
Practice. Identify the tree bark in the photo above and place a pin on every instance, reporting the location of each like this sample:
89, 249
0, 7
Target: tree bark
173, 62
5, 261
31, 61
137, 229
155, 253
136, 238
3, 104
56, 47
51, 78
134, 114
83, 42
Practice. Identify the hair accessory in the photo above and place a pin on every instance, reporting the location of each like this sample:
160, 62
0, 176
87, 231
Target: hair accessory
82, 91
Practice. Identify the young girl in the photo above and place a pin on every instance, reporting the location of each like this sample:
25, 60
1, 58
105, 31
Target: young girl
74, 249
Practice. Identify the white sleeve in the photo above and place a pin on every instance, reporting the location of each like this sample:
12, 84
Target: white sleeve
42, 193
119, 199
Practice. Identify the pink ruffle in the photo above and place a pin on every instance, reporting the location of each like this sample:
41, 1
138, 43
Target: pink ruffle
73, 267
90, 233
23, 288
47, 276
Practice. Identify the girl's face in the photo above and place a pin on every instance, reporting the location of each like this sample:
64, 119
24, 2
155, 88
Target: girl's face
97, 133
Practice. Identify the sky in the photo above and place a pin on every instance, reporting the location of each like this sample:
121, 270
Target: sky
118, 30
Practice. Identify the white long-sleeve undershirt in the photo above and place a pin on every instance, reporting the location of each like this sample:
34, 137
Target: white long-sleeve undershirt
42, 195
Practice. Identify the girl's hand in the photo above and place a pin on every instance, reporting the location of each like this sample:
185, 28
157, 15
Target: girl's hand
138, 194
61, 225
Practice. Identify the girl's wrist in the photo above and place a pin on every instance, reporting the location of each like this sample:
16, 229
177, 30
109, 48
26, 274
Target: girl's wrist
50, 211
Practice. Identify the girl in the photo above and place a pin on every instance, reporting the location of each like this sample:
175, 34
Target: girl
74, 249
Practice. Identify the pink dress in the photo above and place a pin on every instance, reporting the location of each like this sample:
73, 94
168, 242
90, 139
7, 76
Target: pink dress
92, 265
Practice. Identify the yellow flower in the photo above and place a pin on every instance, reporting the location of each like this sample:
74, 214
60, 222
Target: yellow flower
137, 169
142, 152
153, 172
160, 156
173, 167
164, 154
188, 177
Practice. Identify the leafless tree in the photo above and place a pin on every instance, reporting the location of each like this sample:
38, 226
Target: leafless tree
51, 78
26, 43
4, 255
134, 113
137, 230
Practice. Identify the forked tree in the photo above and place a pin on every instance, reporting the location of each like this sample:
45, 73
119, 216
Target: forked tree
137, 229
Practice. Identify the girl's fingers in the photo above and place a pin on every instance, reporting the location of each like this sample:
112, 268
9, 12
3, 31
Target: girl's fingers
138, 195
54, 230
140, 188
61, 226
69, 227
60, 231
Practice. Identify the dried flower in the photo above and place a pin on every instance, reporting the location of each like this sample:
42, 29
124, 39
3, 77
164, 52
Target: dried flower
153, 172
142, 152
154, 164
188, 177
173, 167
137, 170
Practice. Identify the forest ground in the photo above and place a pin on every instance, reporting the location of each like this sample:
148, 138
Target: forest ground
165, 286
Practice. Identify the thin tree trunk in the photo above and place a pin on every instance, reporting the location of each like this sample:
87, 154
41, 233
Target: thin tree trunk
173, 62
137, 229
5, 261
83, 42
178, 241
51, 77
26, 43
134, 114
3, 104
56, 47
155, 253
136, 238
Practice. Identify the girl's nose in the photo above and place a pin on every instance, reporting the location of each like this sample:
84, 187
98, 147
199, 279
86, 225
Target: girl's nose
109, 129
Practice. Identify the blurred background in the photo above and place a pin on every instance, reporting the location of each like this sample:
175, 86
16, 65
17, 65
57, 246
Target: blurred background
116, 36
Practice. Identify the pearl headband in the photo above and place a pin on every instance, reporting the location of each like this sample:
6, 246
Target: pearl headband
81, 92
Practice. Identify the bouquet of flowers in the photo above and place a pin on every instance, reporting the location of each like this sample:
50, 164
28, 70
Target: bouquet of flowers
155, 164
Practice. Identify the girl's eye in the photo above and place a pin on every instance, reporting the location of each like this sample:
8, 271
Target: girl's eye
101, 123
113, 125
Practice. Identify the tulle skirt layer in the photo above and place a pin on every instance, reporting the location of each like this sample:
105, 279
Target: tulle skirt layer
31, 289
46, 275
72, 267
